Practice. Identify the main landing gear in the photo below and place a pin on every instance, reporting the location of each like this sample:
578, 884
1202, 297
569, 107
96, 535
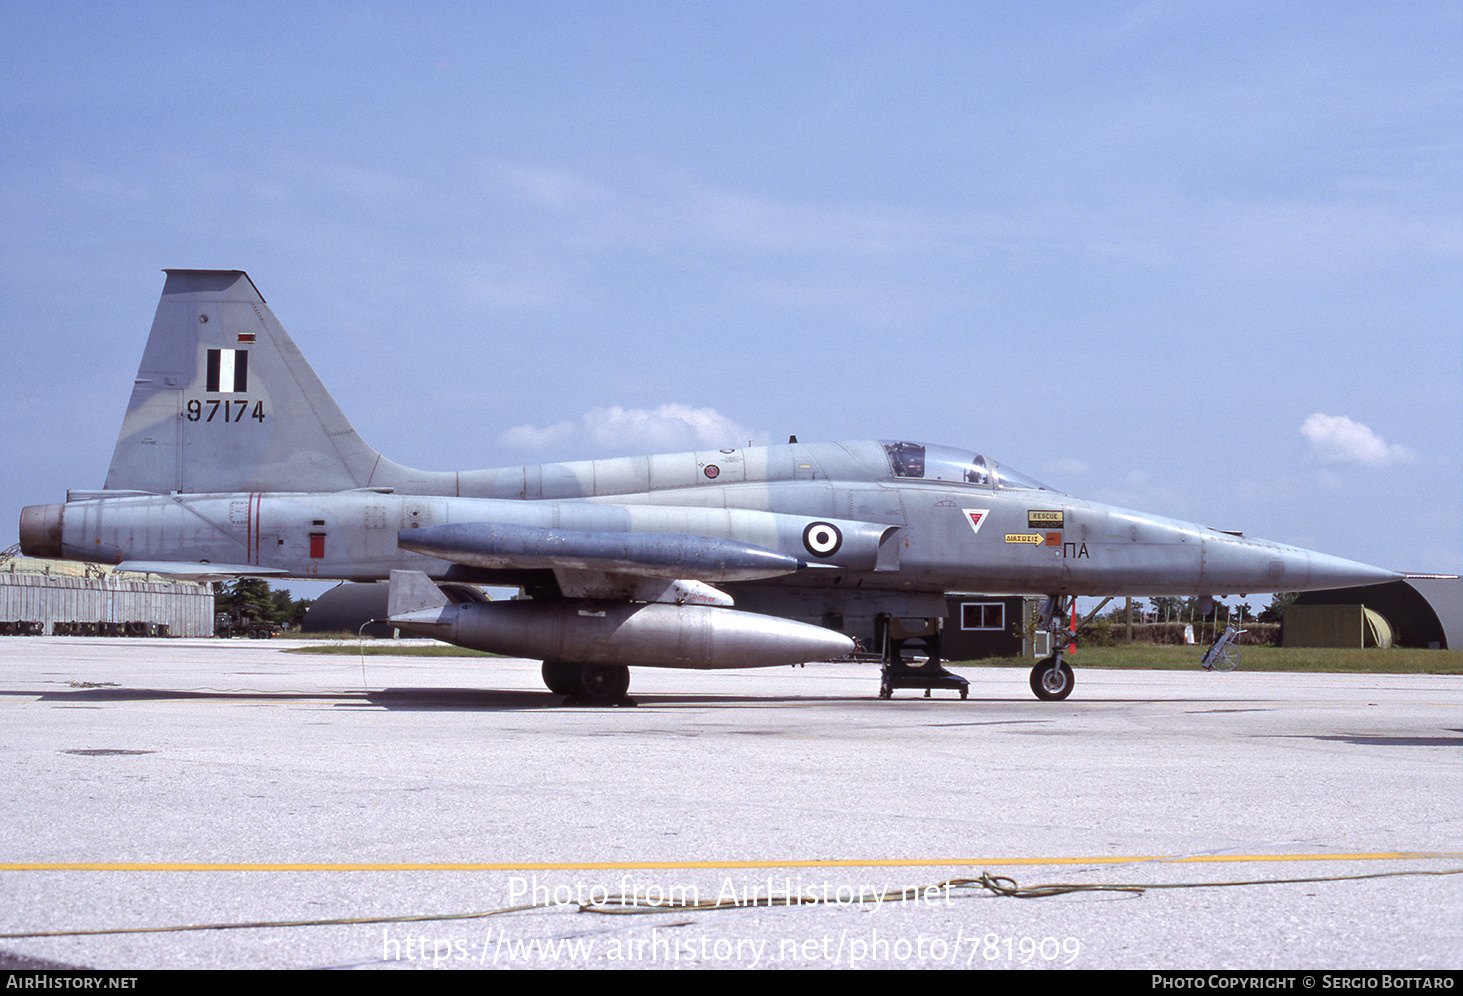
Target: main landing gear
1051, 679
589, 684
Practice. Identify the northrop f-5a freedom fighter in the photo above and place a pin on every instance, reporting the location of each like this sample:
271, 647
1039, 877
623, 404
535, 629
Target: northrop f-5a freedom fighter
234, 460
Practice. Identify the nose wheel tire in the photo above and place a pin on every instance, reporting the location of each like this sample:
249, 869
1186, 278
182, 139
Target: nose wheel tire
1051, 679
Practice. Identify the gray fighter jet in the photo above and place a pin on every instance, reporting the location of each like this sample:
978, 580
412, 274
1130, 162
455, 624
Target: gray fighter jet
233, 459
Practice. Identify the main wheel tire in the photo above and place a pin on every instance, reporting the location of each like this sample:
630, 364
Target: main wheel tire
1052, 680
562, 677
602, 682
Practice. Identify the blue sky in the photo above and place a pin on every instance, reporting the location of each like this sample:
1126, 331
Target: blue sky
1201, 259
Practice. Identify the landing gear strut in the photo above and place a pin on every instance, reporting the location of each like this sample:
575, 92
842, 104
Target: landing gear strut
1051, 678
588, 684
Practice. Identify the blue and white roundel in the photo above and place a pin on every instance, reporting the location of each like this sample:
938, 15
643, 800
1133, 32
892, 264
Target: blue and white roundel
822, 539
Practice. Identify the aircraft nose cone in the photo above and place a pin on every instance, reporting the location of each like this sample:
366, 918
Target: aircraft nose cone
1246, 565
1321, 570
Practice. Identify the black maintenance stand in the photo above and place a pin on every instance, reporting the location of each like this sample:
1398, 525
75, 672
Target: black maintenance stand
897, 673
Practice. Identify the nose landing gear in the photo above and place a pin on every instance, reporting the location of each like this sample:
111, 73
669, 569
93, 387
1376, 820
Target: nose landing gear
1051, 678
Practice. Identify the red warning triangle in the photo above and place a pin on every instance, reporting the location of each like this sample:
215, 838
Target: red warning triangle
976, 517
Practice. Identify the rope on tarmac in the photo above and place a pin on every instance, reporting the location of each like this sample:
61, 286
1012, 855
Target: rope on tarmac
996, 885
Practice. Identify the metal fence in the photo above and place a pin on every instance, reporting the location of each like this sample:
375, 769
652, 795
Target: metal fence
42, 605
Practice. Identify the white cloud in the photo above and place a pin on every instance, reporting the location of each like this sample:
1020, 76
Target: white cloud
667, 428
528, 437
1337, 439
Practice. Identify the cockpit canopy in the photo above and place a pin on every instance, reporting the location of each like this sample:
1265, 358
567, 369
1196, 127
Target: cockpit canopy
944, 463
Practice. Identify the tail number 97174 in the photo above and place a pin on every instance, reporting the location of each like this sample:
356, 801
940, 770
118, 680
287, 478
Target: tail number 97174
223, 409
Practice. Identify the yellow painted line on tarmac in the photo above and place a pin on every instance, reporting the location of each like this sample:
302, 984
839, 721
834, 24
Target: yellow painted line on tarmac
490, 866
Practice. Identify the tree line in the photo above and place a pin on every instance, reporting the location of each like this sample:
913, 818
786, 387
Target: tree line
1161, 610
254, 599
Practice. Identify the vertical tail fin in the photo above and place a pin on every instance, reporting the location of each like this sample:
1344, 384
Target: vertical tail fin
224, 401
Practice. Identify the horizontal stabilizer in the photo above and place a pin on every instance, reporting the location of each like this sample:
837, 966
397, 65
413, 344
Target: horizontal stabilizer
663, 555
193, 571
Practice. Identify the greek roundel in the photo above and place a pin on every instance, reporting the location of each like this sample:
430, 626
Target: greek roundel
822, 539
